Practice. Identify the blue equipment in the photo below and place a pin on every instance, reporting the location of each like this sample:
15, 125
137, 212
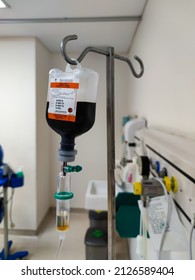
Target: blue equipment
8, 178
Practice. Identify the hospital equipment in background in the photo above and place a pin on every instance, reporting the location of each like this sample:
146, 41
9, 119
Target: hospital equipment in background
167, 191
126, 168
8, 179
159, 170
129, 130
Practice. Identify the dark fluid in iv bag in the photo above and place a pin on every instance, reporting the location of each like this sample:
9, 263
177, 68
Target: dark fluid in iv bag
85, 118
78, 86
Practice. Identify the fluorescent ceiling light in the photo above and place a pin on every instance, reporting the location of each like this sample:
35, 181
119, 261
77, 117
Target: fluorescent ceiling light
3, 4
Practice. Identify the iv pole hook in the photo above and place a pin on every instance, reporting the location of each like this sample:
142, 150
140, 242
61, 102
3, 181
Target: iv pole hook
63, 48
136, 75
103, 51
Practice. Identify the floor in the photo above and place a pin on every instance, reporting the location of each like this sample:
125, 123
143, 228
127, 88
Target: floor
45, 245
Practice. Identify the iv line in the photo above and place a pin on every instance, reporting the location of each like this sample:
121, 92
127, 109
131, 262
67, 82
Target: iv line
190, 238
144, 231
61, 241
12, 225
167, 218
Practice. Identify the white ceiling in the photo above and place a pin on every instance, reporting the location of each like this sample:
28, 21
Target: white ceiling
38, 18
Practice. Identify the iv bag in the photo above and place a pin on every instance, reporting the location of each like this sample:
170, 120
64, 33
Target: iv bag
69, 87
71, 103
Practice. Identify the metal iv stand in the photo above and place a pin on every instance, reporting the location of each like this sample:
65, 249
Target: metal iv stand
110, 56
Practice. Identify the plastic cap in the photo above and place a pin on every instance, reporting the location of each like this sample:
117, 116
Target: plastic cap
20, 174
137, 188
167, 182
97, 233
66, 156
174, 185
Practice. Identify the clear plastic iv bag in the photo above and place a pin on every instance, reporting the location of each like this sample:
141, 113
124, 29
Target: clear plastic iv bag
71, 105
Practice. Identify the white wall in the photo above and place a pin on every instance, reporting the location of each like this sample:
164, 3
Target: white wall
17, 122
91, 146
165, 41
24, 136
42, 132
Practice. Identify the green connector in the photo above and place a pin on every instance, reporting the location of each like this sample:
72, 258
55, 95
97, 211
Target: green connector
70, 168
20, 174
63, 195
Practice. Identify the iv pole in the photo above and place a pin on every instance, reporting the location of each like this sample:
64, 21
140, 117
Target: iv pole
110, 56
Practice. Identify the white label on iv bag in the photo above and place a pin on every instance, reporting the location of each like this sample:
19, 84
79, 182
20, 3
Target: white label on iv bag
63, 99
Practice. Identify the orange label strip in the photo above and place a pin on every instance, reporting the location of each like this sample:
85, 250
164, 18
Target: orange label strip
64, 85
59, 117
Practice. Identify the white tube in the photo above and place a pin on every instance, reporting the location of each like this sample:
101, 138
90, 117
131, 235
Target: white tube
61, 241
166, 220
190, 237
140, 239
145, 227
141, 242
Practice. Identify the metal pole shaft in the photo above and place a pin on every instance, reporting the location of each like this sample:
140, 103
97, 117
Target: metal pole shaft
110, 153
110, 56
6, 251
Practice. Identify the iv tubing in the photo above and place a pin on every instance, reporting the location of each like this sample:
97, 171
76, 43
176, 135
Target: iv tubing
59, 191
12, 225
141, 226
145, 225
190, 238
142, 237
167, 219
61, 241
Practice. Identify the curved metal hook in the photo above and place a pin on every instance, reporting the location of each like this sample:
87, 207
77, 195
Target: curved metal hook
83, 54
141, 67
137, 75
103, 51
63, 48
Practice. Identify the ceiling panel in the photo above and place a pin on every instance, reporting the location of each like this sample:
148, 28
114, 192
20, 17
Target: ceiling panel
117, 34
113, 34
